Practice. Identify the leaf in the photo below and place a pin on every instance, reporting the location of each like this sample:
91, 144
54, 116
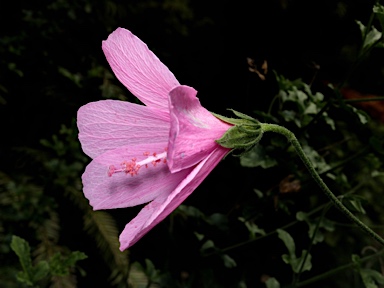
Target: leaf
252, 228
318, 161
291, 259
256, 157
353, 202
218, 220
40, 271
379, 11
228, 261
23, 251
288, 241
61, 265
191, 211
371, 278
325, 224
30, 275
207, 245
370, 38
272, 283
151, 271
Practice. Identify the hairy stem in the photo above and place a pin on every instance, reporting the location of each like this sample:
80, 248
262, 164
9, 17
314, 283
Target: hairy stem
295, 143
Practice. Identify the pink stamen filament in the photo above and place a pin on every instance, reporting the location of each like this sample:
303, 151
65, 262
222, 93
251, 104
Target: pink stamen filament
132, 167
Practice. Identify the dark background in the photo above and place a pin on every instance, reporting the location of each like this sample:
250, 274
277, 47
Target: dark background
51, 63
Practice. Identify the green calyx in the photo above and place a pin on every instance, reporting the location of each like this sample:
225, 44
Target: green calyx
245, 133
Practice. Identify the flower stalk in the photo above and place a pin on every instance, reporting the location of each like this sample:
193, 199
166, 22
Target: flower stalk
265, 127
247, 132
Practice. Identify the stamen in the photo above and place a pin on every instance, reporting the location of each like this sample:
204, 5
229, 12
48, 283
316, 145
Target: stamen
132, 167
111, 170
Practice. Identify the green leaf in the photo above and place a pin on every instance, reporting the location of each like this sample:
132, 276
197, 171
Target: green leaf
318, 161
379, 11
61, 265
291, 259
218, 220
256, 157
228, 261
371, 278
288, 241
23, 251
152, 273
353, 203
252, 228
30, 274
312, 224
191, 211
370, 38
40, 271
272, 283
207, 245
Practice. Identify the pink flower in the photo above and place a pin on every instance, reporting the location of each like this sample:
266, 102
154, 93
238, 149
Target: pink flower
156, 154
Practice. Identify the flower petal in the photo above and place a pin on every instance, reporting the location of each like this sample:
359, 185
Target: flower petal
109, 124
193, 129
138, 68
162, 206
123, 190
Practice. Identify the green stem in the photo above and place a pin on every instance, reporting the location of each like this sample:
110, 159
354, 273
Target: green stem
337, 270
237, 245
297, 276
296, 144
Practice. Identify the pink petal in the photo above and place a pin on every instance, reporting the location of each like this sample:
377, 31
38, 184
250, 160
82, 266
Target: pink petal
108, 124
123, 190
138, 68
193, 129
162, 206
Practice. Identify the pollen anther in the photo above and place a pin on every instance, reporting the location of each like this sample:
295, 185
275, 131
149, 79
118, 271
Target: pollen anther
132, 167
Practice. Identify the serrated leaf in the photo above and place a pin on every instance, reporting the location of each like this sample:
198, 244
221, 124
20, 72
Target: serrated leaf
252, 228
61, 265
40, 271
23, 251
23, 277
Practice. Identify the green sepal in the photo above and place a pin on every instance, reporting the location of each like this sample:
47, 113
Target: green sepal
245, 133
240, 137
244, 119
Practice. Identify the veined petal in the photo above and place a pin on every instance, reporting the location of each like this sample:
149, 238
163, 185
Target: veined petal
193, 129
119, 189
163, 205
138, 68
109, 124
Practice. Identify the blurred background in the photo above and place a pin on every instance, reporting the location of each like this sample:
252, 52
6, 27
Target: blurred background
234, 54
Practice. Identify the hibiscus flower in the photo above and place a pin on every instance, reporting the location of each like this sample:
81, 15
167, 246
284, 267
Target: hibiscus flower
156, 154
